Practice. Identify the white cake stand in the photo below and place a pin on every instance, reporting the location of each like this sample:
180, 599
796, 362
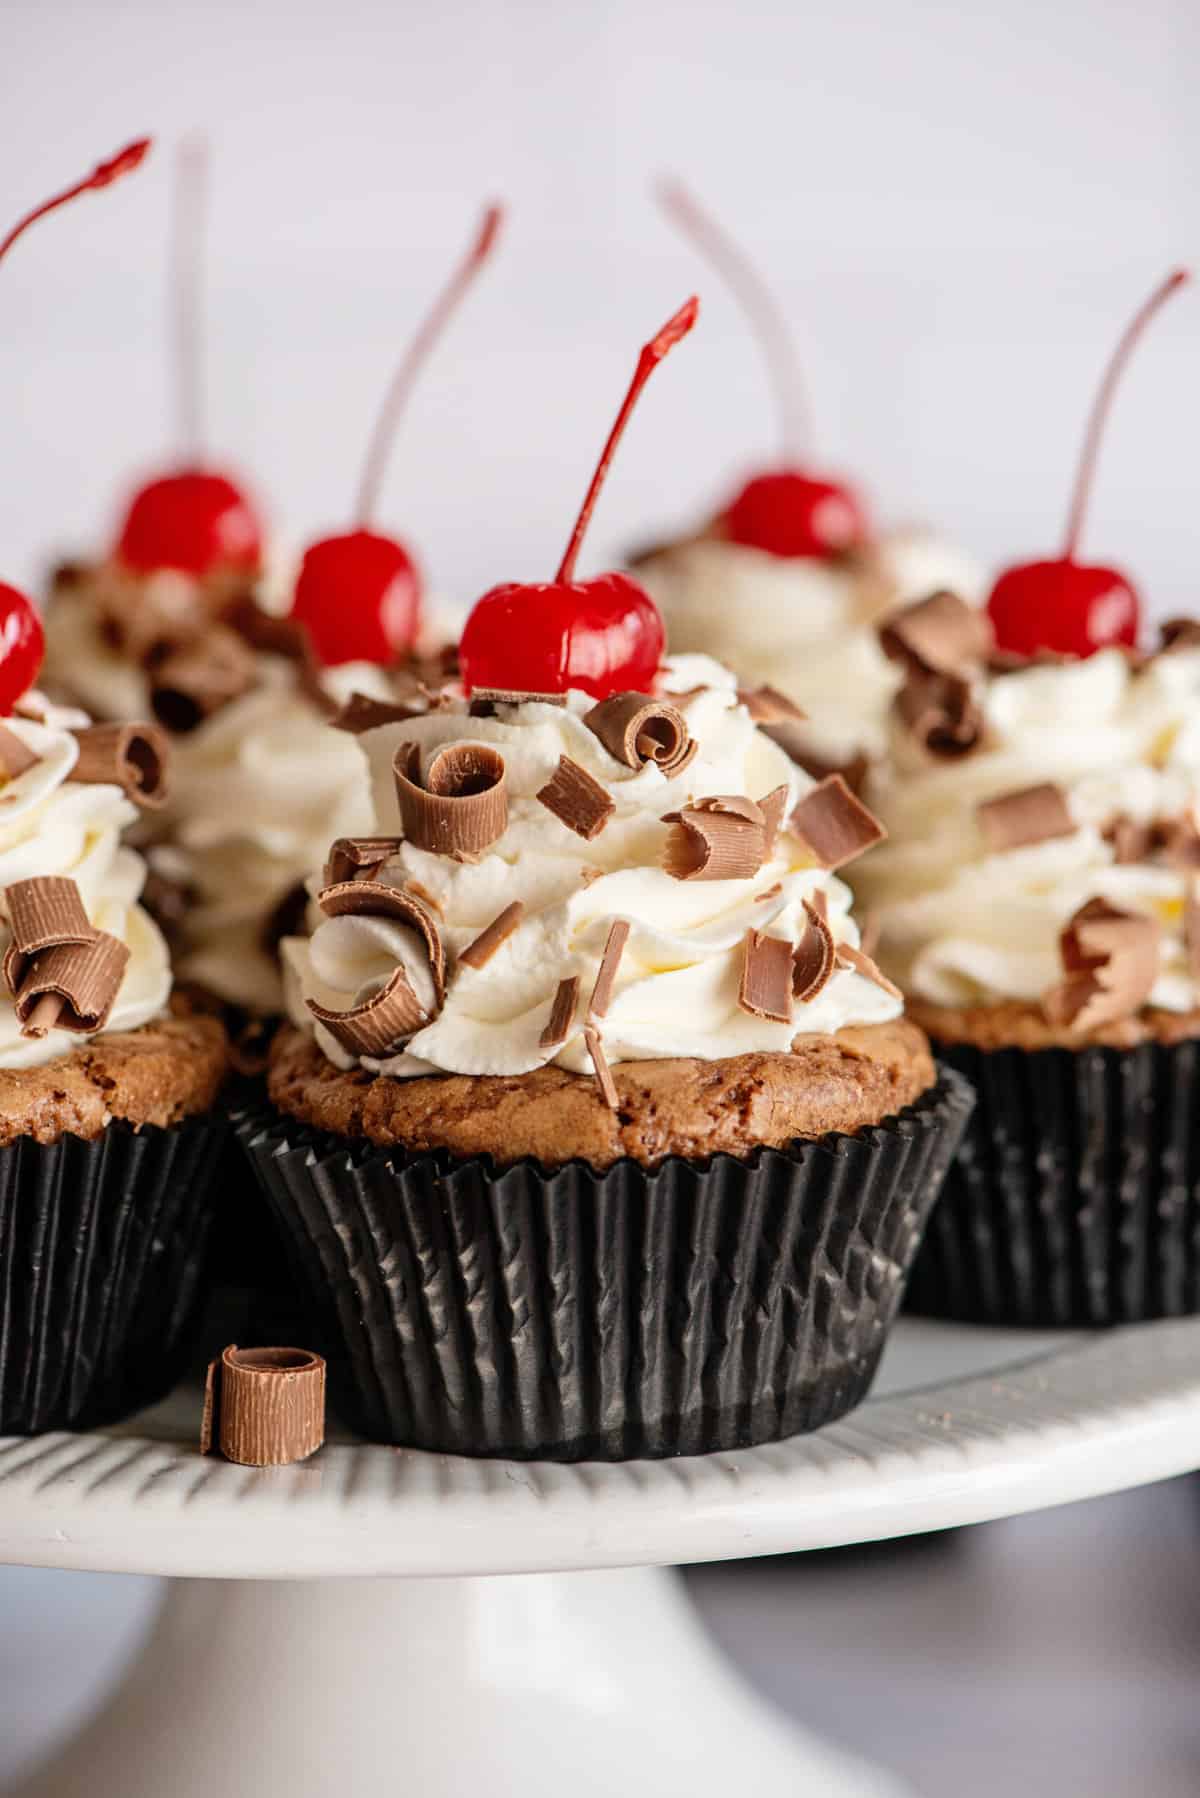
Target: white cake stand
516, 1632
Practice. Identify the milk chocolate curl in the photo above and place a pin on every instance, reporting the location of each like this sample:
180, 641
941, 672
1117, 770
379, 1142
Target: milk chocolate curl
813, 961
767, 705
577, 799
942, 633
358, 858
265, 1406
1030, 815
859, 962
636, 730
72, 986
373, 898
765, 990
42, 912
361, 713
562, 1014
610, 961
481, 951
16, 757
1111, 959
600, 1067
461, 807
195, 680
720, 838
484, 700
834, 825
941, 712
135, 757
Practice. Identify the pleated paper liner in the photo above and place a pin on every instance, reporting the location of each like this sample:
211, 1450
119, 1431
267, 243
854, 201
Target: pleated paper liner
577, 1315
1075, 1198
102, 1254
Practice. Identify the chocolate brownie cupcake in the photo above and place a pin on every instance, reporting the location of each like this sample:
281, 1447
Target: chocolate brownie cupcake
1039, 903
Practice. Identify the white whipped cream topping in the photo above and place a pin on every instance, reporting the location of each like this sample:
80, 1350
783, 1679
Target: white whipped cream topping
50, 825
804, 625
677, 983
961, 925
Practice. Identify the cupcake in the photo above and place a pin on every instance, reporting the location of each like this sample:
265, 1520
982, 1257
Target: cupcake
789, 577
594, 1130
1039, 904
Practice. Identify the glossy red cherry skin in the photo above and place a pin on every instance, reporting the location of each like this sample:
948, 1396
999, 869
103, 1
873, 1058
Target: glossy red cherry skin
22, 646
1063, 607
790, 514
604, 636
359, 597
191, 521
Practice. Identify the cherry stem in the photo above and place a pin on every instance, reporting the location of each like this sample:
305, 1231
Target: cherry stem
189, 217
427, 335
652, 354
1102, 405
123, 163
766, 317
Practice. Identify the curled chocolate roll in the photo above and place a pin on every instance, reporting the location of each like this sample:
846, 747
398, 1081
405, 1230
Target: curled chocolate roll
264, 1407
721, 838
636, 730
382, 1023
72, 986
135, 757
43, 912
461, 807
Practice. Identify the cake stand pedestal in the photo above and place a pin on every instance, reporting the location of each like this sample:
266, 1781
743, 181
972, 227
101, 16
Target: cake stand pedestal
379, 1621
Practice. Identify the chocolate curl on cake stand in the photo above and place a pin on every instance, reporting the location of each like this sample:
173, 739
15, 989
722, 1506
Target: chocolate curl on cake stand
264, 1407
62, 973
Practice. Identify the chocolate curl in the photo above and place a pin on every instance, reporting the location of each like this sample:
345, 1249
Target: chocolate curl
562, 1014
577, 799
134, 757
1031, 815
941, 634
606, 978
834, 825
481, 951
1111, 961
374, 899
767, 705
43, 913
16, 757
813, 962
600, 1067
462, 807
484, 700
941, 712
637, 730
72, 986
196, 679
721, 838
857, 961
361, 713
358, 858
381, 1024
265, 1407
772, 808
765, 990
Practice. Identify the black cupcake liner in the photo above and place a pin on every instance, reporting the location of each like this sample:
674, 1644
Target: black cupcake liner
102, 1254
572, 1315
1075, 1198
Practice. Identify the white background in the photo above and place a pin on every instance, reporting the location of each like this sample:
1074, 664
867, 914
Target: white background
958, 202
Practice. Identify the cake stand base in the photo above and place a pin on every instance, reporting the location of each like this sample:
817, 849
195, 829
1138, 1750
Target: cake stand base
589, 1683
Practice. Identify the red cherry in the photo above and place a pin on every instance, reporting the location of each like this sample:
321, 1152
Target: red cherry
359, 595
791, 514
383, 582
1064, 606
193, 521
604, 635
22, 646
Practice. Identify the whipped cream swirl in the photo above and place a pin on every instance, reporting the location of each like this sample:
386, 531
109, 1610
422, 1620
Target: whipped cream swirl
676, 991
965, 925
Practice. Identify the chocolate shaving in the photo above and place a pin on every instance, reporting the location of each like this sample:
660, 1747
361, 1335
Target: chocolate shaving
562, 1014
857, 961
719, 838
134, 757
1036, 814
941, 712
1132, 841
765, 990
484, 700
481, 951
813, 961
834, 825
197, 678
767, 705
772, 808
374, 899
1110, 958
16, 757
577, 799
265, 1407
358, 858
794, 742
461, 807
610, 961
1179, 633
72, 986
43, 913
378, 1026
637, 730
941, 634
361, 712
600, 1067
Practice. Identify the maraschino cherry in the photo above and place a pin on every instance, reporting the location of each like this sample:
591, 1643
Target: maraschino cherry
787, 511
604, 635
193, 519
359, 595
22, 644
1064, 606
